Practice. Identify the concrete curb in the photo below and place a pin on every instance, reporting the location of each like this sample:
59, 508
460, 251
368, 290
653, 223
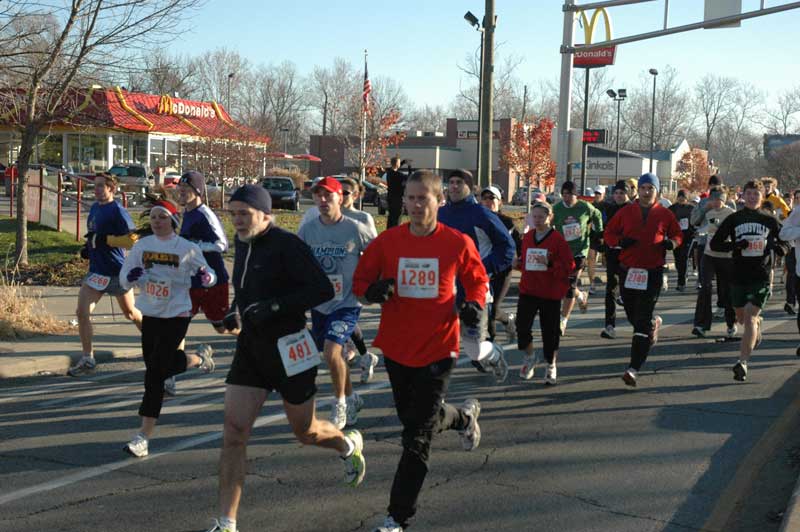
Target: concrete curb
791, 518
57, 364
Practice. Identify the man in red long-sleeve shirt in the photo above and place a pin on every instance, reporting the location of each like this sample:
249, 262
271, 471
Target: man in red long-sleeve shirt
645, 231
411, 270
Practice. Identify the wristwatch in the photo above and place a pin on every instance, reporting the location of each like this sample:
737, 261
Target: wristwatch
274, 307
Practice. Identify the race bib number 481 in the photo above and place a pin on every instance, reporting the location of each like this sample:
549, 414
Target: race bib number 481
418, 278
298, 352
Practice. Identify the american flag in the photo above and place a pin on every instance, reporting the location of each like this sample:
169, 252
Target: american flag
367, 88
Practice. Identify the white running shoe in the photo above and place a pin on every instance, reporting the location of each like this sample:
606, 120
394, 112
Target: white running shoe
732, 331
511, 327
389, 525
657, 321
583, 301
471, 435
609, 332
85, 366
368, 363
719, 312
552, 374
665, 282
170, 387
500, 366
528, 366
354, 406
562, 325
137, 446
219, 528
339, 414
354, 465
630, 377
206, 355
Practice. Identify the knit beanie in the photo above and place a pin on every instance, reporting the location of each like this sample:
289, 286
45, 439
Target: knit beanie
464, 175
650, 179
254, 195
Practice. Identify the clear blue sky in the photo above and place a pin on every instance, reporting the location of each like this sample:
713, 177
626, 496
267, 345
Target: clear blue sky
420, 41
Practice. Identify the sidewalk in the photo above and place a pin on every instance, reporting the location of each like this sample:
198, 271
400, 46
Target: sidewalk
114, 338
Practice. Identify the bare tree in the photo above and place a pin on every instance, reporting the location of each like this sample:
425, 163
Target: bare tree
215, 71
427, 118
507, 88
780, 119
161, 73
714, 97
331, 90
62, 48
784, 163
737, 147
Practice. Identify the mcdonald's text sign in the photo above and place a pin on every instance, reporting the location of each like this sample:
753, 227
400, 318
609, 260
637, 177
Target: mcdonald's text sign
599, 57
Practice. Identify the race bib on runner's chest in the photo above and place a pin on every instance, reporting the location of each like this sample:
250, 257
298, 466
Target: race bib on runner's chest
158, 290
418, 278
755, 246
684, 223
338, 286
298, 352
571, 231
636, 279
536, 260
97, 281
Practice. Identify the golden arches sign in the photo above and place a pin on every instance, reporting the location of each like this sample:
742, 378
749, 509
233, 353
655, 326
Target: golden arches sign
599, 57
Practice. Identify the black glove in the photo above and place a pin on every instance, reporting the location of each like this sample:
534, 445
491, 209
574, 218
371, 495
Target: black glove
627, 242
232, 320
741, 244
85, 252
668, 244
470, 313
380, 291
261, 312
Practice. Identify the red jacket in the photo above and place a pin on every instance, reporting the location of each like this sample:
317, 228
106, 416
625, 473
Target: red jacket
647, 252
421, 327
553, 282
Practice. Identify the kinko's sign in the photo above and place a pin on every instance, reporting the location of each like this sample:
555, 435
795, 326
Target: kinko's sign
599, 57
168, 106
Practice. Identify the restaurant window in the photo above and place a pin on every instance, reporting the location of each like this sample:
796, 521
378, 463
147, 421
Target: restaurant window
93, 153
49, 150
122, 152
173, 154
139, 146
156, 154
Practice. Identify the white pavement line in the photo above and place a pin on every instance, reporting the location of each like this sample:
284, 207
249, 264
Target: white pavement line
189, 443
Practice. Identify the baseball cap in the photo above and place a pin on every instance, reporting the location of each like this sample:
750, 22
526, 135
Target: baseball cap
494, 191
599, 189
329, 183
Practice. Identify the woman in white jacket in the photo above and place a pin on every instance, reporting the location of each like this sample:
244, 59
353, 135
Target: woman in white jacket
162, 266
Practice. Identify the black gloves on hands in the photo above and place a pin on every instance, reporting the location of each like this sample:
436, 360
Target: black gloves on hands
85, 252
627, 242
261, 312
380, 291
232, 320
471, 313
741, 244
668, 244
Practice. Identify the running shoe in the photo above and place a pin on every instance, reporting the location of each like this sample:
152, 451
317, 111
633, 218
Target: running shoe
206, 355
389, 525
85, 366
740, 372
500, 366
170, 387
349, 352
699, 332
354, 406
551, 376
630, 377
511, 327
471, 435
719, 312
759, 337
528, 366
368, 363
732, 331
591, 290
583, 301
339, 414
137, 446
618, 300
219, 528
354, 465
657, 321
665, 282
609, 332
789, 309
562, 325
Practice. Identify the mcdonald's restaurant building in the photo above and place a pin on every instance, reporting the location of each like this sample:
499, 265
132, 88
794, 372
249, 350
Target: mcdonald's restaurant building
104, 126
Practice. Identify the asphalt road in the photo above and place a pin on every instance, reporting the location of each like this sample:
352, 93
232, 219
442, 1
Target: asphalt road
677, 453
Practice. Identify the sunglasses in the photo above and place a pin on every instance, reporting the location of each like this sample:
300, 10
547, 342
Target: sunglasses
488, 197
346, 192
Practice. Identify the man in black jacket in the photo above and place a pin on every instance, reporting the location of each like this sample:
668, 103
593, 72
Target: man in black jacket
396, 181
619, 199
276, 280
682, 209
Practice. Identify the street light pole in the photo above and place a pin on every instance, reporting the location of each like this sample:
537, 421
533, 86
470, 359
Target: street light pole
228, 102
654, 73
473, 21
487, 118
617, 96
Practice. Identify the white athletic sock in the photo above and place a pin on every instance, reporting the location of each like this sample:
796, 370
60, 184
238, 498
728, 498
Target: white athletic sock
227, 522
351, 447
743, 363
341, 400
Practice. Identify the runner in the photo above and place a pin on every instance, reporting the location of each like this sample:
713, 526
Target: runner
682, 209
276, 280
411, 271
791, 265
715, 263
772, 195
546, 265
492, 199
644, 230
790, 233
575, 219
620, 200
201, 226
110, 233
337, 242
596, 239
463, 213
163, 266
752, 236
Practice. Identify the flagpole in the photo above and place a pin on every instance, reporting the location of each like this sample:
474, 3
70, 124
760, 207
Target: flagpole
363, 154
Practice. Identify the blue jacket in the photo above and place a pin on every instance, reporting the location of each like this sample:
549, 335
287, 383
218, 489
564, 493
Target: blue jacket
494, 243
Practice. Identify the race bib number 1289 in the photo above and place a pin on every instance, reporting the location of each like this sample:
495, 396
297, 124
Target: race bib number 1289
418, 278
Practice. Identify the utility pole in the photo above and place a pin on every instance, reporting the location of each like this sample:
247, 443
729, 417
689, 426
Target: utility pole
522, 120
487, 98
565, 93
584, 146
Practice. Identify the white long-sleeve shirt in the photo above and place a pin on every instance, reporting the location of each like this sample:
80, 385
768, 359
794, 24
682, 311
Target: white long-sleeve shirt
169, 265
790, 232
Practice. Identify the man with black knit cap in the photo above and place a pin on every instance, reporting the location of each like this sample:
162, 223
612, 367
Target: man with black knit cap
645, 231
682, 209
463, 213
619, 199
276, 281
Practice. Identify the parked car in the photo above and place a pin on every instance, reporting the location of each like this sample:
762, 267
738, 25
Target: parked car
283, 192
171, 179
133, 174
520, 197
